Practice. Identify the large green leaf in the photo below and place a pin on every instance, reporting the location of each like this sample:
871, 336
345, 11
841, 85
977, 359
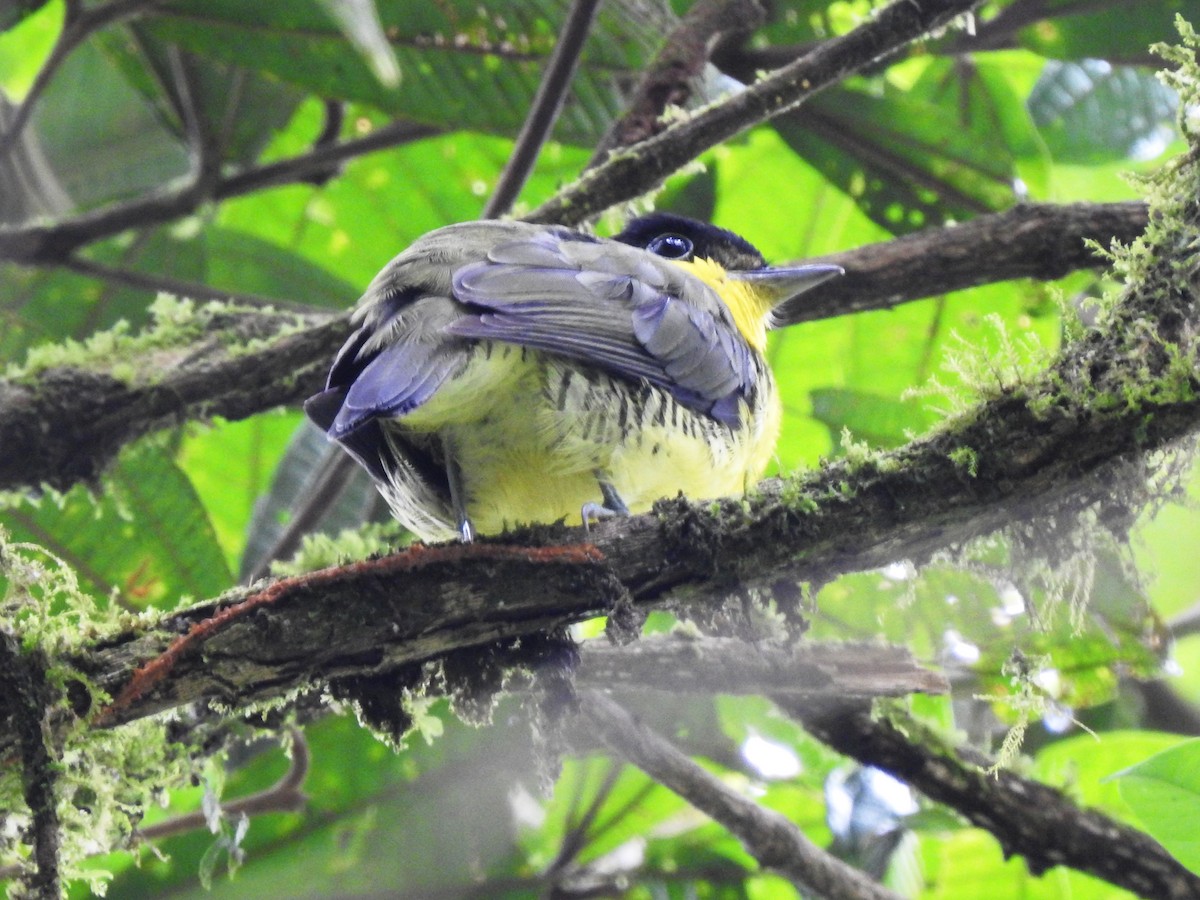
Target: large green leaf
464, 65
1094, 112
103, 139
908, 162
1164, 791
1116, 31
144, 538
238, 108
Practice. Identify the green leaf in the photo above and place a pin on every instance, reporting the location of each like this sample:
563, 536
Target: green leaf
230, 465
467, 65
881, 421
295, 479
1073, 30
908, 162
1164, 791
1094, 112
111, 146
1083, 765
144, 538
239, 109
27, 33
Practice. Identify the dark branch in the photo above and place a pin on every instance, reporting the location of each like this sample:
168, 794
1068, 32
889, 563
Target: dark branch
27, 698
65, 425
1028, 818
768, 836
645, 165
547, 104
42, 244
1037, 240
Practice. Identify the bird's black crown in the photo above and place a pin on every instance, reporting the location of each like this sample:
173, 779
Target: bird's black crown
678, 237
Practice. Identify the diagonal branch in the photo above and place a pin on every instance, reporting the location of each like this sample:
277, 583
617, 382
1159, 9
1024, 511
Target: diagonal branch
645, 165
767, 835
41, 244
668, 80
547, 104
1028, 818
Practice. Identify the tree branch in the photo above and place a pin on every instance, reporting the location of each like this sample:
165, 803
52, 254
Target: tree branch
645, 165
27, 698
65, 424
547, 104
768, 836
1027, 817
1035, 240
48, 244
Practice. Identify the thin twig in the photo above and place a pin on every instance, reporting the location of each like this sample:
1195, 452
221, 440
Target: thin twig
286, 795
40, 244
547, 104
770, 838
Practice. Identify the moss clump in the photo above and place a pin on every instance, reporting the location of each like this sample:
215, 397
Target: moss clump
104, 778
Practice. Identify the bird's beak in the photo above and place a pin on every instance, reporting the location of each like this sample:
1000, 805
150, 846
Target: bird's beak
783, 283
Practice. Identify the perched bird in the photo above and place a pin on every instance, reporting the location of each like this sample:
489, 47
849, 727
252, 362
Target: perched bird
505, 373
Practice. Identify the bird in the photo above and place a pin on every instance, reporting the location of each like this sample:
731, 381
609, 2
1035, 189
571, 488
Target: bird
503, 373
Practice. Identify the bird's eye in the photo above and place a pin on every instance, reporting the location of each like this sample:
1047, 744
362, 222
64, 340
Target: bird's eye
670, 246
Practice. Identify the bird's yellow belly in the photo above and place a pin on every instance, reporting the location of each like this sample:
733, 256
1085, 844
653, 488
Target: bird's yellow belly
533, 436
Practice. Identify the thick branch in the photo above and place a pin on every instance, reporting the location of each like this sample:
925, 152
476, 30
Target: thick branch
645, 165
27, 698
768, 836
66, 424
1028, 818
54, 443
1036, 240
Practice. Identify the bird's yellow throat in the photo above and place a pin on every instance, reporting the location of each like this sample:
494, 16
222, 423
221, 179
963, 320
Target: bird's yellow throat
749, 305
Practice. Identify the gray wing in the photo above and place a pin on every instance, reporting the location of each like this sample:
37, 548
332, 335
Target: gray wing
611, 307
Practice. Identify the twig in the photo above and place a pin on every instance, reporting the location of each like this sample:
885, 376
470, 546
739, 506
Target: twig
547, 104
193, 290
644, 165
771, 839
286, 795
40, 244
1028, 818
729, 666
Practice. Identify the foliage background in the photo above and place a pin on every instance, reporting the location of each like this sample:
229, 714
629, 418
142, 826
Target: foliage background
1044, 102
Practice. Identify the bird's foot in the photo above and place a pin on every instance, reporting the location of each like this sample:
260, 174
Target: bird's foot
613, 506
